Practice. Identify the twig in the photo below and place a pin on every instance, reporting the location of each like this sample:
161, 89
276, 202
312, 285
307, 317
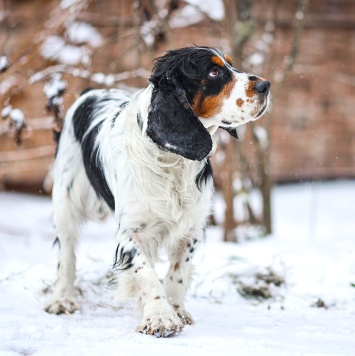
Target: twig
15, 274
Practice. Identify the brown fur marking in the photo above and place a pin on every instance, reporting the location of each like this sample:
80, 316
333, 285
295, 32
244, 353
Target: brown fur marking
176, 266
211, 105
240, 102
249, 91
228, 59
217, 60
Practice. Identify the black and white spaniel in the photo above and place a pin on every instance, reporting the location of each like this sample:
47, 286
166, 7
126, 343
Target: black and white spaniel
145, 159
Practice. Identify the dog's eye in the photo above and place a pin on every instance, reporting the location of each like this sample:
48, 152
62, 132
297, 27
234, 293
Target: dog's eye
214, 72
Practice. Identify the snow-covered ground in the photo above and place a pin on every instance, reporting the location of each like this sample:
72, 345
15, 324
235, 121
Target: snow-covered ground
312, 312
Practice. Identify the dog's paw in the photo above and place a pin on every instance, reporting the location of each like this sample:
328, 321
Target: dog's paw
62, 306
161, 324
185, 317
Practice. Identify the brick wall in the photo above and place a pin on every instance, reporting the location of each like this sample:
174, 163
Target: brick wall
314, 129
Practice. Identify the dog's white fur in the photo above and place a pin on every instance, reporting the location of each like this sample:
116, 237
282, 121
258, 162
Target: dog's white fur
157, 203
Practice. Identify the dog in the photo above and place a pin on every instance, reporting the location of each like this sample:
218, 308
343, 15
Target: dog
145, 159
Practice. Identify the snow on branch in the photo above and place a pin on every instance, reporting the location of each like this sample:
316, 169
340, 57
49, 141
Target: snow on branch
17, 120
54, 90
74, 47
97, 78
262, 136
195, 11
3, 63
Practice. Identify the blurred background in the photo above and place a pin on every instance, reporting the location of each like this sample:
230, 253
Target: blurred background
51, 50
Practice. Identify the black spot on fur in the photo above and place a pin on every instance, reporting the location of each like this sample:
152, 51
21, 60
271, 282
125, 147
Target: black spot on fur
82, 119
70, 186
56, 136
140, 120
113, 121
122, 106
56, 139
94, 169
204, 175
137, 269
123, 259
56, 242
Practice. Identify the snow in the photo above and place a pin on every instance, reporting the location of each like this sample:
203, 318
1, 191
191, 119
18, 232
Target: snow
5, 112
55, 48
18, 117
299, 15
312, 249
262, 136
55, 86
194, 10
214, 9
3, 63
186, 16
256, 59
80, 36
147, 31
82, 32
66, 3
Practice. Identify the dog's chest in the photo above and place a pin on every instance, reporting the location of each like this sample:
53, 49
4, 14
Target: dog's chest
175, 193
166, 194
180, 205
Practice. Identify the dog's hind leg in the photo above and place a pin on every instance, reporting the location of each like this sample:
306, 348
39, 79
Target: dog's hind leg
67, 217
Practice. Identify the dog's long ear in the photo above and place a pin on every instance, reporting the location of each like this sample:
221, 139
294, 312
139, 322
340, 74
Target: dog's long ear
173, 125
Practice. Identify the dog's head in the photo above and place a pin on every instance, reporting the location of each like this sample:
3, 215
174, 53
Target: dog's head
196, 88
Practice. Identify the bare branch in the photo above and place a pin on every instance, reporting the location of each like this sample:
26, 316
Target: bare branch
290, 59
98, 78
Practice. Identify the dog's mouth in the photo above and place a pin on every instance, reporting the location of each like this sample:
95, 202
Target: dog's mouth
261, 112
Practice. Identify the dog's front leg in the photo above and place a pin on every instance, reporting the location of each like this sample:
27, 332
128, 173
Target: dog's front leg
178, 278
137, 278
66, 221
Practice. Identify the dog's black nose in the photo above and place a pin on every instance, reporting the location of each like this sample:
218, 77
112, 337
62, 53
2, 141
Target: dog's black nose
262, 87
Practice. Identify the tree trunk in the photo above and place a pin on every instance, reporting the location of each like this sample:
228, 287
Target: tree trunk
229, 222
